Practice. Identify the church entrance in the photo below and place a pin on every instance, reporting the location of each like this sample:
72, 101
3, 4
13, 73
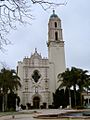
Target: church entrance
36, 102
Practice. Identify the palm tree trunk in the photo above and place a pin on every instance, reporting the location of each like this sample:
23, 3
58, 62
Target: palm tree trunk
75, 95
81, 98
69, 97
5, 102
3, 108
88, 97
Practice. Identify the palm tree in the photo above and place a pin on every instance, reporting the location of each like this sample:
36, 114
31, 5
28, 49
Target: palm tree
66, 82
9, 82
83, 82
75, 77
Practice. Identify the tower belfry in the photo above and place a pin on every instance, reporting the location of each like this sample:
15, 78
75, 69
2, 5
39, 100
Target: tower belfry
54, 29
56, 53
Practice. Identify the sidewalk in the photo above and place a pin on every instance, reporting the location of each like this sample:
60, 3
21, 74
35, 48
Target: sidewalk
29, 114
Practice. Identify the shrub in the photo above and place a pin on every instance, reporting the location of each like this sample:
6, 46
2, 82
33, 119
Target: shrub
23, 107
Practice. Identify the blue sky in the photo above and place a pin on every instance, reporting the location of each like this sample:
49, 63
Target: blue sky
75, 18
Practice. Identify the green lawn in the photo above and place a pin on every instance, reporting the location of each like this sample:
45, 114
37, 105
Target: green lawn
8, 113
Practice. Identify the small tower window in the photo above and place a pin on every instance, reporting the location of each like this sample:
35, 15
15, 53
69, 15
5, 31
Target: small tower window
56, 35
55, 24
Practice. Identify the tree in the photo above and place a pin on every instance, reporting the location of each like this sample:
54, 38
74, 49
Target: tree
14, 11
66, 82
58, 98
83, 82
11, 101
75, 77
9, 82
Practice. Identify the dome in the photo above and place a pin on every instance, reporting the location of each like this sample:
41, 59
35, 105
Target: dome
53, 15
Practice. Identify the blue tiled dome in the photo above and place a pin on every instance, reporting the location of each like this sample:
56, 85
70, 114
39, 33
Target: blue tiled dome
53, 15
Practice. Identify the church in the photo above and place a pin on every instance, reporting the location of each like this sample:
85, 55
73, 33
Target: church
39, 75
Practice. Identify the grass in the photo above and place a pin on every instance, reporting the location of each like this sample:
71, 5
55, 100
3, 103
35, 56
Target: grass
7, 113
15, 113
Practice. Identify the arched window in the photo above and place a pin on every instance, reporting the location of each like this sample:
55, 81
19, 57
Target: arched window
55, 24
56, 35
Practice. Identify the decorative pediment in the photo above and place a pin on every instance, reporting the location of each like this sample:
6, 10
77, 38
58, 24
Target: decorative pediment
36, 55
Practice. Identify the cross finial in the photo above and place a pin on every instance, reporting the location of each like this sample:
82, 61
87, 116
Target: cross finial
53, 11
35, 50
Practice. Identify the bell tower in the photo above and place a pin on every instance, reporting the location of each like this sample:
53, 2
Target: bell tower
54, 28
56, 53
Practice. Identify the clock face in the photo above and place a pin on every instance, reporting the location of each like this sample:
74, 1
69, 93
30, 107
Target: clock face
36, 76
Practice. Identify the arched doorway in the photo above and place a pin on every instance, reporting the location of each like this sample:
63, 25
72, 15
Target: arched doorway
36, 102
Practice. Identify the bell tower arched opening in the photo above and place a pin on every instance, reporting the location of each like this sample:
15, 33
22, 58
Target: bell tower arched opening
55, 24
56, 35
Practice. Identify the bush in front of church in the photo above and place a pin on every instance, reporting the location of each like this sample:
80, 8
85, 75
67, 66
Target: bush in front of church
23, 107
59, 99
29, 106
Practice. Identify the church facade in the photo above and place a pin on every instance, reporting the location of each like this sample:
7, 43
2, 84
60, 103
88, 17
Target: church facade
39, 75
